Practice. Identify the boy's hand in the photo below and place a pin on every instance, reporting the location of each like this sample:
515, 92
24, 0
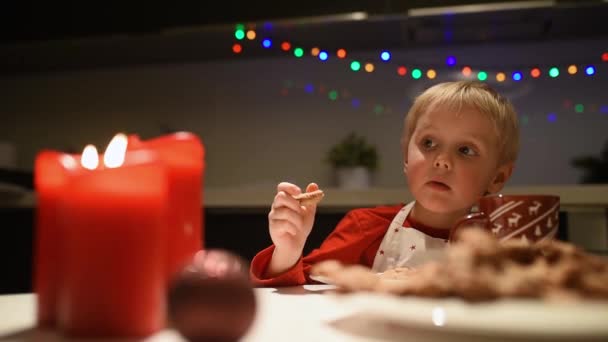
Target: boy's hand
289, 224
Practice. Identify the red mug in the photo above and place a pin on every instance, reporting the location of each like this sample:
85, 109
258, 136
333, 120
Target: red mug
530, 218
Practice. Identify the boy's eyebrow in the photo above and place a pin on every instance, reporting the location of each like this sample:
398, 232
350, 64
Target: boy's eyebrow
426, 126
474, 136
479, 137
476, 139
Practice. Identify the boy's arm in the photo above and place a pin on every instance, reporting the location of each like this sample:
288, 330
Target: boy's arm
351, 238
259, 266
289, 223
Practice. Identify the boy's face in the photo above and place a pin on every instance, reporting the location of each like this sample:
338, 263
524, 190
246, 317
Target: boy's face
452, 160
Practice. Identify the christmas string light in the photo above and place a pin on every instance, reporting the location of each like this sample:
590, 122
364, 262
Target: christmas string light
569, 107
418, 72
334, 95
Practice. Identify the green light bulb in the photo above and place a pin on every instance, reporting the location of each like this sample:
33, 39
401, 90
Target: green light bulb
333, 95
355, 66
554, 72
416, 74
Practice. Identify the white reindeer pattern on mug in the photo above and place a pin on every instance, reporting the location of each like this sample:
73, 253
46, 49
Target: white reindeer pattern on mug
533, 209
497, 228
538, 224
514, 219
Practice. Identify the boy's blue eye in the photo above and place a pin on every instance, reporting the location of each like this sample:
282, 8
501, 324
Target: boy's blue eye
428, 143
467, 151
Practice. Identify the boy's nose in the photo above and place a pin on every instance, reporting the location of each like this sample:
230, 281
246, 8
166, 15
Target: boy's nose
442, 163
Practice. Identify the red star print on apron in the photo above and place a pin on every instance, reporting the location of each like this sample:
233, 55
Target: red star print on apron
406, 246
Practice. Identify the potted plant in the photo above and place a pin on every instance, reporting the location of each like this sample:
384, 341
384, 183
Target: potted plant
595, 168
353, 160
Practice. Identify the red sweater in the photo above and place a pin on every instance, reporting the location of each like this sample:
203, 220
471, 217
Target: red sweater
355, 240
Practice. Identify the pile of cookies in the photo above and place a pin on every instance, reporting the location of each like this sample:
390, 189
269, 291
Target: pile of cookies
479, 268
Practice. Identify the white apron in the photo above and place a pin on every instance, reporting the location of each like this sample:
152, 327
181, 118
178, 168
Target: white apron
406, 246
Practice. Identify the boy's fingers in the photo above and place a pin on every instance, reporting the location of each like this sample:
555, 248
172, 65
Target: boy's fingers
289, 188
287, 215
282, 199
309, 210
312, 187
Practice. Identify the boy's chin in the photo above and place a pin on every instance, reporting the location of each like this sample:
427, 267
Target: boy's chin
441, 207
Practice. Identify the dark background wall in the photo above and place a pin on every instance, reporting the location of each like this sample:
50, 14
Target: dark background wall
267, 119
73, 74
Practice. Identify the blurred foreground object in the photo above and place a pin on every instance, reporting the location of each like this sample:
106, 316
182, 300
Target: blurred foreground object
477, 267
113, 224
212, 299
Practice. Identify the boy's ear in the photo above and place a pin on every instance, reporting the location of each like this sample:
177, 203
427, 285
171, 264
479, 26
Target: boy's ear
404, 160
502, 176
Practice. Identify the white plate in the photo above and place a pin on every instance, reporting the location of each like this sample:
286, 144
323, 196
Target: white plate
325, 280
503, 320
320, 279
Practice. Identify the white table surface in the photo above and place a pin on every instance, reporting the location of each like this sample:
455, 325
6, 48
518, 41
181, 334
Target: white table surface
283, 314
313, 313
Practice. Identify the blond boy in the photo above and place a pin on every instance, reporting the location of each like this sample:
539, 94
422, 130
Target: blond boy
460, 142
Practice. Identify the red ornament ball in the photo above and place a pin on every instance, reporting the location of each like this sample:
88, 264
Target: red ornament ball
212, 299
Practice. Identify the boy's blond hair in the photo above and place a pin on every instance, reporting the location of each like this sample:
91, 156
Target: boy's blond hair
472, 94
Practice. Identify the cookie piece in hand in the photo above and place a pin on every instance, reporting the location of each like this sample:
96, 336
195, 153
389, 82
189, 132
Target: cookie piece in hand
310, 198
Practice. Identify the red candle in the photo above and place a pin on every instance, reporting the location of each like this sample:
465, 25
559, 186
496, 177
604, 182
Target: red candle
49, 180
183, 154
113, 276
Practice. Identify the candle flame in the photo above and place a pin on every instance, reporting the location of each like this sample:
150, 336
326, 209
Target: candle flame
68, 161
116, 150
90, 158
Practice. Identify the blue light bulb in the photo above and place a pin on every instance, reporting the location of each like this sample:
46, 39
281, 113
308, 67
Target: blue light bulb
450, 61
517, 76
385, 55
